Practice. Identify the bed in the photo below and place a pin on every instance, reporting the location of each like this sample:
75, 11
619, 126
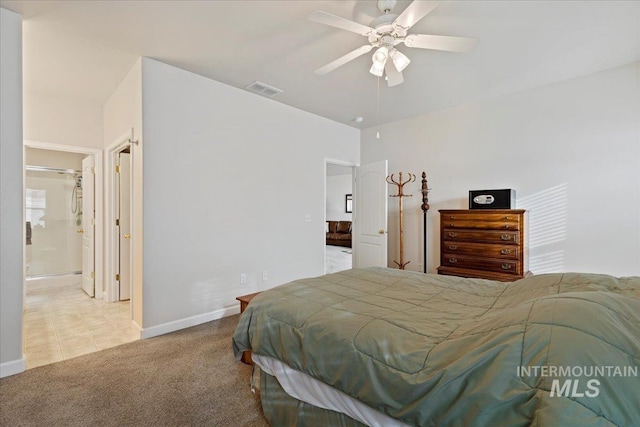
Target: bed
385, 347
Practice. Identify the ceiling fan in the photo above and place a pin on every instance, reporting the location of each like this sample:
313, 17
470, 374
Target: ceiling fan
385, 33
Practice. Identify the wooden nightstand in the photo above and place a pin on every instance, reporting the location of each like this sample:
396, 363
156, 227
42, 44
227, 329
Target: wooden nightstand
244, 302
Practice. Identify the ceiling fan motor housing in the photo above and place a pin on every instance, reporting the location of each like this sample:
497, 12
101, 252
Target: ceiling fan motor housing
386, 33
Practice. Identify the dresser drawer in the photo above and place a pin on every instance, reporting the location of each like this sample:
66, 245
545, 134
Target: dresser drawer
484, 215
480, 249
502, 266
480, 236
486, 220
482, 225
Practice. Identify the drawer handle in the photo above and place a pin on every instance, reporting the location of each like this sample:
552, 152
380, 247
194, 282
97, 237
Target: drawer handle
453, 260
453, 247
505, 251
451, 217
450, 224
506, 237
506, 217
506, 226
506, 266
452, 234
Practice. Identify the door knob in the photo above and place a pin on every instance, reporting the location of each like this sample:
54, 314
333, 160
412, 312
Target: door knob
127, 236
79, 231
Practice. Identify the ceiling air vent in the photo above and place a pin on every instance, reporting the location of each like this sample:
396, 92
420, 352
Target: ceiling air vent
263, 89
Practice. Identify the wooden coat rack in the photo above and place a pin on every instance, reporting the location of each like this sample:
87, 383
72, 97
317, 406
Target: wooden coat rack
400, 184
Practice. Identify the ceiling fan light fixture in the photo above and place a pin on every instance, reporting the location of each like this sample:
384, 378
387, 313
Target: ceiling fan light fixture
379, 59
381, 55
377, 69
400, 60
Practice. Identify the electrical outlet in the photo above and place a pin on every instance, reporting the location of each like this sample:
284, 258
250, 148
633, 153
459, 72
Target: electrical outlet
265, 275
243, 279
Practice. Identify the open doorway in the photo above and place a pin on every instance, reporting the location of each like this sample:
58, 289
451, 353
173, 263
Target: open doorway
338, 252
58, 207
64, 313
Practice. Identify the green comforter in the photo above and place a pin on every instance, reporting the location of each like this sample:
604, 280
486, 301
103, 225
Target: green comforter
429, 350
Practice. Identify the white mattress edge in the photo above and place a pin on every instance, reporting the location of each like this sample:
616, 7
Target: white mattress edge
310, 390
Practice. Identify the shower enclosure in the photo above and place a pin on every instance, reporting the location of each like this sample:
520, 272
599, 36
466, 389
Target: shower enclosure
54, 221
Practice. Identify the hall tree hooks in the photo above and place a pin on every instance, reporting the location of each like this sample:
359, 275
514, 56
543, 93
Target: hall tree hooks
400, 184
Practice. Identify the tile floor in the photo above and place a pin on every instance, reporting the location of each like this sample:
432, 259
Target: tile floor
61, 321
337, 258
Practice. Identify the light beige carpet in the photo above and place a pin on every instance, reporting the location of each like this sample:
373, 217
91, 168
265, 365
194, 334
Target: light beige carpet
186, 378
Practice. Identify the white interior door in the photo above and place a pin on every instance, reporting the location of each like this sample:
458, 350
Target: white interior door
370, 210
88, 221
124, 229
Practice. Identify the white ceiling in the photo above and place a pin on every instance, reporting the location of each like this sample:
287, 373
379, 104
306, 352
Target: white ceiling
83, 49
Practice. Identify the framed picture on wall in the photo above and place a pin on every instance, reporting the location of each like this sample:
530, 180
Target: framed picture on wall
348, 203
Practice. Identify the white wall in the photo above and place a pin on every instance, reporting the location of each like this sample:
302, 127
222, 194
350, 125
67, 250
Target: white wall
123, 109
11, 208
338, 186
53, 159
228, 179
571, 150
123, 112
64, 121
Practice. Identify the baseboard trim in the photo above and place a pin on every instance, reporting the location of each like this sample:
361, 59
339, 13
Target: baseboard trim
187, 322
13, 367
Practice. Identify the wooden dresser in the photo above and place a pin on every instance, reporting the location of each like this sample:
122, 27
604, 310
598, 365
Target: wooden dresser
483, 243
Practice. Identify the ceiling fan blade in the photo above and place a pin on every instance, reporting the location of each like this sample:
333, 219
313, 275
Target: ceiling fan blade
394, 77
342, 23
414, 12
448, 43
344, 59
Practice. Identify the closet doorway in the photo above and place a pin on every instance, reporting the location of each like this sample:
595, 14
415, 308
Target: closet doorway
123, 222
121, 268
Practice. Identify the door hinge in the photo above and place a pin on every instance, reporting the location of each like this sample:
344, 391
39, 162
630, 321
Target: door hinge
93, 170
117, 168
93, 221
117, 222
93, 274
117, 277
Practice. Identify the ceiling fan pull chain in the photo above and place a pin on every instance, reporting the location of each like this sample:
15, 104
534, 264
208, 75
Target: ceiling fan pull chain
378, 108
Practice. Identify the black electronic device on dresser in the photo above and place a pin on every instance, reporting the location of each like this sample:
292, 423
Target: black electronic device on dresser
484, 243
492, 199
